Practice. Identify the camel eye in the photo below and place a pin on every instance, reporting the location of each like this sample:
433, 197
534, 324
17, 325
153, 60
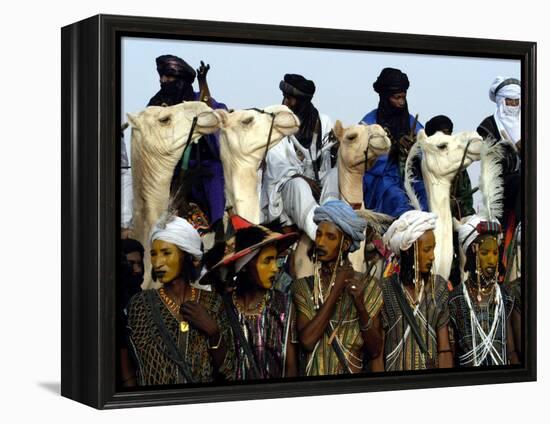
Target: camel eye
247, 121
442, 146
165, 119
351, 137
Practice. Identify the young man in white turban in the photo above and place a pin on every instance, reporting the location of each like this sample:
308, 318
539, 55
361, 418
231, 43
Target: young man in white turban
480, 309
179, 333
415, 315
506, 121
337, 309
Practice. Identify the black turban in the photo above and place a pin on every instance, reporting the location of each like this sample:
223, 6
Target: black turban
438, 123
174, 66
396, 120
391, 81
302, 90
297, 86
174, 92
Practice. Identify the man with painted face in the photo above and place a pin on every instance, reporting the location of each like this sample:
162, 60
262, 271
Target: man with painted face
337, 308
178, 333
480, 309
262, 318
415, 315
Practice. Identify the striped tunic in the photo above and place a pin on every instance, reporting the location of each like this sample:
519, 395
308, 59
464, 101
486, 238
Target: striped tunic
268, 334
323, 359
401, 351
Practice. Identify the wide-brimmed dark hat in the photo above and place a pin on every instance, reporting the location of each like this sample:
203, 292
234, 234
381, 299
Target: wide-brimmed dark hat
249, 238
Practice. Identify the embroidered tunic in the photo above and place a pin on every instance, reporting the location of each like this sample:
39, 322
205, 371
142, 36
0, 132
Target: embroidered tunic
461, 325
154, 366
268, 334
401, 351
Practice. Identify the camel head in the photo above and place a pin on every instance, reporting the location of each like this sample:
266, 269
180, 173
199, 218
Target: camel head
443, 154
165, 130
245, 132
358, 139
243, 141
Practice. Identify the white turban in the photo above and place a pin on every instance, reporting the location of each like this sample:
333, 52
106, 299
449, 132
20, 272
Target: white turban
467, 232
508, 118
408, 228
179, 232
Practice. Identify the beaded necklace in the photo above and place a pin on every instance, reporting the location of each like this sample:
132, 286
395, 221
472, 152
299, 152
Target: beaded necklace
255, 310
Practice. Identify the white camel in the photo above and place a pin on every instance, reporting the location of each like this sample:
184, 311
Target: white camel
360, 146
159, 137
243, 143
442, 156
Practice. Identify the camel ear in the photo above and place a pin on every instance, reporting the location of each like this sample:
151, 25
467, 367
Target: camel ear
134, 120
421, 136
338, 130
223, 117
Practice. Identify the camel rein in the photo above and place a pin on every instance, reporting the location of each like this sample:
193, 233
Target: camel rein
263, 163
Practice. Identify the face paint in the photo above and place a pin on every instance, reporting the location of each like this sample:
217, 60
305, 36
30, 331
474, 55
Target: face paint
167, 261
328, 239
426, 248
266, 266
488, 256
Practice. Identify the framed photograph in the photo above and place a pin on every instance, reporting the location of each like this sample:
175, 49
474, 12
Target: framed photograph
254, 211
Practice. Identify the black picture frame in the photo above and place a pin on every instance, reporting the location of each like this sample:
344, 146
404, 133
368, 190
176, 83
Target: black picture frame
91, 204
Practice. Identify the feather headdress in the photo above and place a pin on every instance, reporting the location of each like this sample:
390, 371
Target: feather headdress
490, 181
414, 153
492, 192
379, 222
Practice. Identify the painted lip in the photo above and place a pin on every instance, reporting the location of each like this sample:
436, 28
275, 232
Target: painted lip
490, 270
321, 252
160, 274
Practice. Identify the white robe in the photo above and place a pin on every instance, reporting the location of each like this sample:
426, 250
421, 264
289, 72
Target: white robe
287, 198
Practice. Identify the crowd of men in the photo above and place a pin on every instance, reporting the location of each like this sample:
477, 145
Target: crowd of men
238, 311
